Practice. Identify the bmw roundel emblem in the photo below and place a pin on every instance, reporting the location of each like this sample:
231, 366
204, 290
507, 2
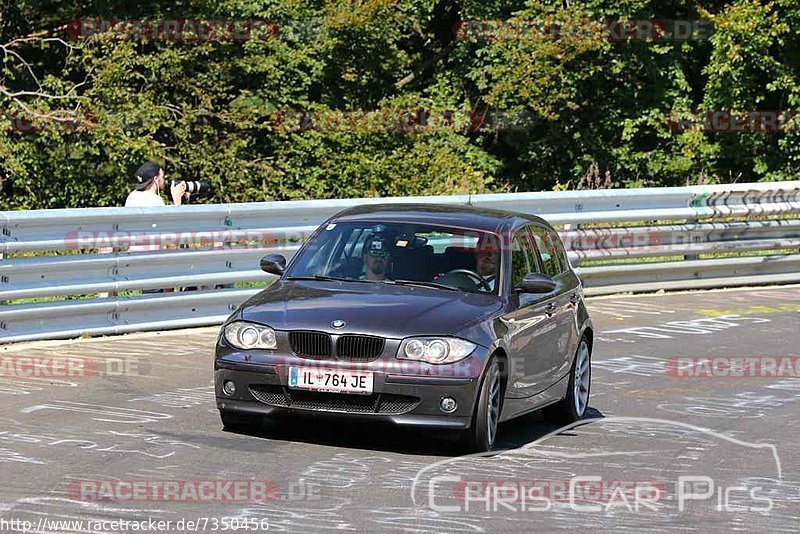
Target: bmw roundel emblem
338, 323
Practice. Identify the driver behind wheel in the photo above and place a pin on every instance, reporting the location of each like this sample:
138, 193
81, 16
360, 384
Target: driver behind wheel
377, 258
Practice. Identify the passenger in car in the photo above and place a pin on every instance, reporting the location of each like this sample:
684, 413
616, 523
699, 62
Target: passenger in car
486, 260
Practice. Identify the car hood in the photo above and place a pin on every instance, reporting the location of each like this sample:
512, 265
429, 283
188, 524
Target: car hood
368, 308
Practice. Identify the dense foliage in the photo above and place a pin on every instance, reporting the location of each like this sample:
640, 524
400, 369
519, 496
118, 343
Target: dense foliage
587, 109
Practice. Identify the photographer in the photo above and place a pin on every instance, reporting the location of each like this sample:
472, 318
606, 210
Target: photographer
149, 181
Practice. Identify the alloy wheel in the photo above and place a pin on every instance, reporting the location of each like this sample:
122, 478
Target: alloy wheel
581, 380
493, 407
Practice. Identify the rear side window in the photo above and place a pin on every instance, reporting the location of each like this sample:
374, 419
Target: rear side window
549, 252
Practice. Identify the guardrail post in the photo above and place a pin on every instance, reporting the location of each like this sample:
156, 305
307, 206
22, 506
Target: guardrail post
690, 257
3, 280
5, 235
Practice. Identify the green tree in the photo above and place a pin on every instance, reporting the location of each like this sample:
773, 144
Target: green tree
559, 109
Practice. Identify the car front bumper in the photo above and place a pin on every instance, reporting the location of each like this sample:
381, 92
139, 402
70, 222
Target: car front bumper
400, 397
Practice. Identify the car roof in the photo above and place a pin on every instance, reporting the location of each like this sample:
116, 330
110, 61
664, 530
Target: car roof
456, 215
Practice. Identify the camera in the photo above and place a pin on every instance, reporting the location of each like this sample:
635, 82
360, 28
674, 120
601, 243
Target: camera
194, 188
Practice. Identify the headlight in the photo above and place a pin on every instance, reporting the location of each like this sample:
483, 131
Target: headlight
435, 349
244, 335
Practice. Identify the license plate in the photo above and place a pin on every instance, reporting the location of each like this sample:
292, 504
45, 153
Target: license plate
330, 380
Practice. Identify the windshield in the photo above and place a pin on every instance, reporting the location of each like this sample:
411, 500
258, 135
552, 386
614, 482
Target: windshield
414, 254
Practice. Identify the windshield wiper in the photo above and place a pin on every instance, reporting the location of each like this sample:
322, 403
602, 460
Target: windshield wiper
398, 282
326, 278
423, 284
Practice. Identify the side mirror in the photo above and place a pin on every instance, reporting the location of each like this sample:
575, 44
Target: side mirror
537, 283
273, 264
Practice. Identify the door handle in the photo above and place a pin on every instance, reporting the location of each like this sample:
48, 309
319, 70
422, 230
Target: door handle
550, 310
574, 298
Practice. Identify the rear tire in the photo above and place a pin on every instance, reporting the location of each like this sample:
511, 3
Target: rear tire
481, 435
573, 407
235, 421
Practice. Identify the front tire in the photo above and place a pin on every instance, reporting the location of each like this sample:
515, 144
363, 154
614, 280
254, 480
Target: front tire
482, 433
573, 407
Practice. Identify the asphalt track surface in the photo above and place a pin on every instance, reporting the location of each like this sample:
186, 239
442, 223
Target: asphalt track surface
649, 431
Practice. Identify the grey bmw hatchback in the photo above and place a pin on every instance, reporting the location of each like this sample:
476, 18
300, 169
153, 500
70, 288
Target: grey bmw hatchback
447, 317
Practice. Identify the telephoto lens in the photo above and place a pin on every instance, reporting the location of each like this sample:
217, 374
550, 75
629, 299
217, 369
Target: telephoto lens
195, 187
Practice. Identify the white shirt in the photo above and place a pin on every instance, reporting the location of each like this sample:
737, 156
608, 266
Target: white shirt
143, 199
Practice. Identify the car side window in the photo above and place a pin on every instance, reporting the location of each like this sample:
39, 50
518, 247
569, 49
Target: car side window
563, 260
522, 260
548, 252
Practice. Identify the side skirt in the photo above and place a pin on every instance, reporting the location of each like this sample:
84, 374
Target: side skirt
515, 407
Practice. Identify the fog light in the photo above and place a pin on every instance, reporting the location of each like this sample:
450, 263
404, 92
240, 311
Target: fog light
448, 404
229, 387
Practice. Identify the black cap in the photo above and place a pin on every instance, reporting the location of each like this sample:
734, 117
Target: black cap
378, 246
145, 174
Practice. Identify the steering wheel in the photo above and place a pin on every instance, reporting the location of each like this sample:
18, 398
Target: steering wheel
475, 277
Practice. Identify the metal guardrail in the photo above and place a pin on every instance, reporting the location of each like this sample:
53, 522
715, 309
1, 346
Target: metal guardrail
52, 259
